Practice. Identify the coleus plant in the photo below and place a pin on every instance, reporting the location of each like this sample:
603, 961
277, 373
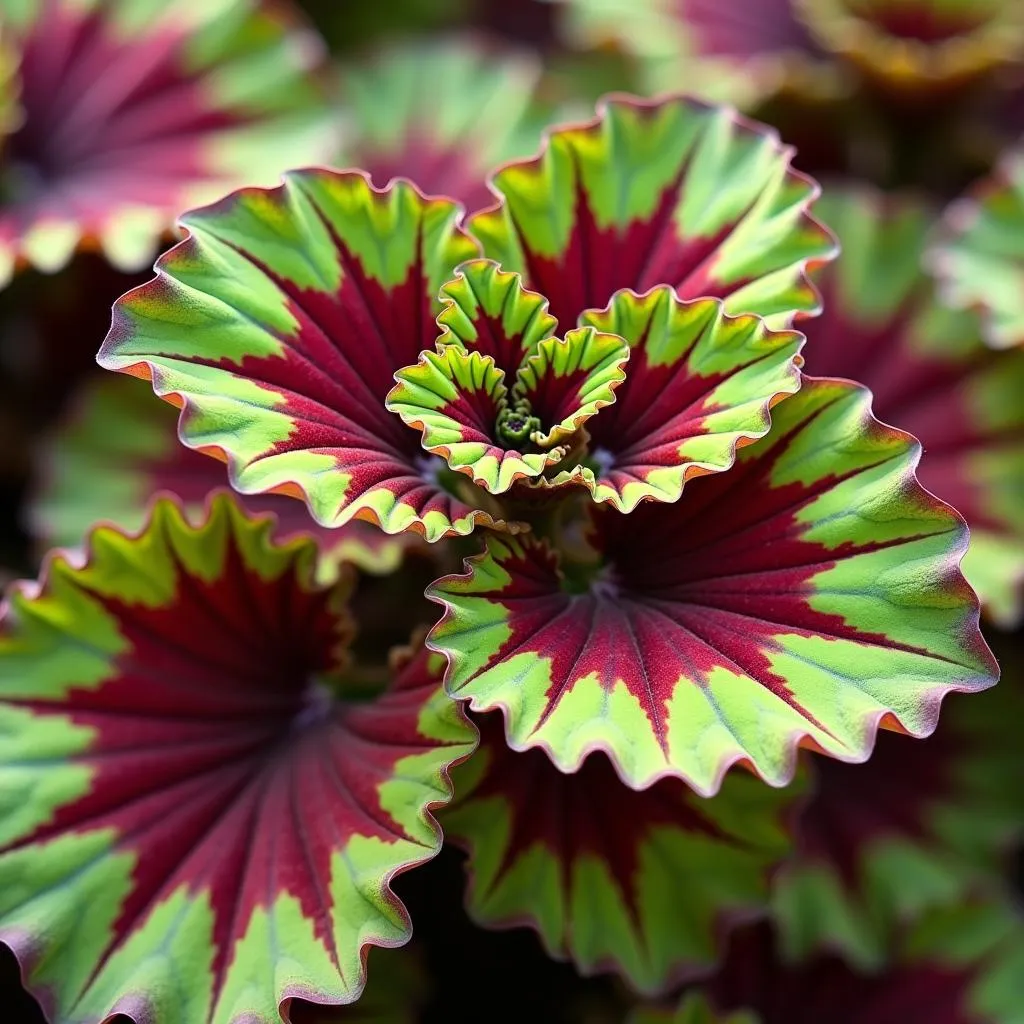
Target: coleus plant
931, 373
687, 557
125, 112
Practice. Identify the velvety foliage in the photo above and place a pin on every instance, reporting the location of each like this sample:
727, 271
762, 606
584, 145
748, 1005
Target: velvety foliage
168, 705
731, 626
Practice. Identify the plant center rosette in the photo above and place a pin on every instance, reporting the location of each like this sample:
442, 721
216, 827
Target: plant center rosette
280, 323
205, 803
458, 398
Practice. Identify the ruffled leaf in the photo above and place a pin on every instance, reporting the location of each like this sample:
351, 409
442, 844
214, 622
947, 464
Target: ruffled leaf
118, 447
700, 384
396, 989
917, 44
487, 310
455, 397
980, 262
639, 882
279, 324
441, 112
806, 596
651, 192
132, 112
500, 393
203, 812
931, 374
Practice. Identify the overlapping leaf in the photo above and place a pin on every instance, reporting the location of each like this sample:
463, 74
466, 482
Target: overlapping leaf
980, 263
699, 385
131, 112
919, 43
653, 192
500, 399
919, 825
203, 812
280, 323
808, 595
441, 113
118, 448
639, 882
931, 374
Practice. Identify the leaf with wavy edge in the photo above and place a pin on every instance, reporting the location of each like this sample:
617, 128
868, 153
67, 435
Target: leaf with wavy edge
669, 191
699, 385
279, 324
642, 883
694, 1009
117, 447
134, 111
931, 374
500, 396
915, 45
979, 261
480, 108
204, 814
397, 987
805, 597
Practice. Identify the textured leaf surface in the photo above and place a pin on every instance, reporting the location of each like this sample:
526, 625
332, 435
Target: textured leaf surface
918, 43
202, 814
441, 113
931, 374
279, 324
500, 394
919, 825
981, 261
806, 596
656, 192
699, 385
639, 882
133, 111
118, 447
958, 966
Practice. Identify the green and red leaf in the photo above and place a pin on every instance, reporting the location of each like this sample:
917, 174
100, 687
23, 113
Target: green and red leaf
279, 324
669, 191
806, 597
117, 447
500, 393
642, 883
203, 811
980, 262
130, 113
918, 44
932, 375
699, 385
441, 112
